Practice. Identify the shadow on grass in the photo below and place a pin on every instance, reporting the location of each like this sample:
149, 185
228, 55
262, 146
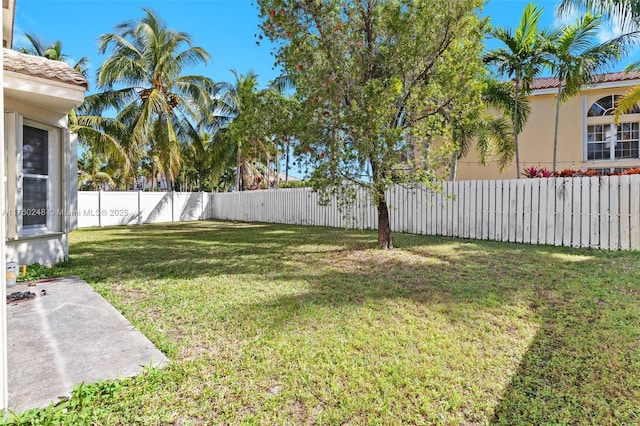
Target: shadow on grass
196, 249
582, 366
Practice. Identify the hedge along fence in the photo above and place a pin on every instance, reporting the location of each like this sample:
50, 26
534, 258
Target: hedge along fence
599, 212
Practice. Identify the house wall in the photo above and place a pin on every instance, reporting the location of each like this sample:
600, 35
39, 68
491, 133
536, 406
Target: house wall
45, 250
536, 140
52, 246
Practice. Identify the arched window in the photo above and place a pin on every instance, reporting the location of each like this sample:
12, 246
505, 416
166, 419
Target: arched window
608, 141
606, 106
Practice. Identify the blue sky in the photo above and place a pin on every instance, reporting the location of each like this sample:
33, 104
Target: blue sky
225, 28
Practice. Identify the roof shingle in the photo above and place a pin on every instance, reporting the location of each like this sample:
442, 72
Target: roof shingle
37, 66
552, 82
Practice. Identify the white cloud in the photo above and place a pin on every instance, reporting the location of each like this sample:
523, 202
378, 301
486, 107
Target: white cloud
568, 17
608, 32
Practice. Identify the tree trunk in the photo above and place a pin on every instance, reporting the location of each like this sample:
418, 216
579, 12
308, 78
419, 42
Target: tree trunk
238, 169
384, 227
168, 177
454, 165
277, 163
286, 175
555, 133
516, 129
153, 176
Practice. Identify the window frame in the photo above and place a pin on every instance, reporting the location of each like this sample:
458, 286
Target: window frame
605, 119
613, 140
53, 143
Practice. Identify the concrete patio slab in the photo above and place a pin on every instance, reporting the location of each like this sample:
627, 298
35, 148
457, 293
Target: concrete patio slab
65, 337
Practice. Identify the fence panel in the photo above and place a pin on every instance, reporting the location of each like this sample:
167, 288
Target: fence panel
634, 207
625, 238
599, 212
88, 209
119, 208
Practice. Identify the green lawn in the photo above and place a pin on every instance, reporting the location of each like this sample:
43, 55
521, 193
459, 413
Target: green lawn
271, 324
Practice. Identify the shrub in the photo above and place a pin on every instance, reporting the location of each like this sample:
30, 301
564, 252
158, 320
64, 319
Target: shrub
534, 172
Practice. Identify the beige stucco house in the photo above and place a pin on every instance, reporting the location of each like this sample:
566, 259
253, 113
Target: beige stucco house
40, 152
587, 135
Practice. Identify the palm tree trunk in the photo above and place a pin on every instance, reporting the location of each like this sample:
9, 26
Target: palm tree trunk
286, 167
238, 168
153, 175
555, 133
168, 177
454, 165
277, 163
516, 128
267, 171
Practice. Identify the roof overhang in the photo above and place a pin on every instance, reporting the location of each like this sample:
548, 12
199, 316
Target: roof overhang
48, 94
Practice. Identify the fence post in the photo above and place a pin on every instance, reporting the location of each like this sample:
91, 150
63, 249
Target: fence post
139, 207
202, 215
173, 206
100, 208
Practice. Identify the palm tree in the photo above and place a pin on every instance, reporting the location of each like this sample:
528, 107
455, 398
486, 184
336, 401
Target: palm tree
492, 134
210, 154
91, 172
104, 136
101, 135
576, 60
626, 13
143, 80
522, 58
52, 51
149, 170
241, 104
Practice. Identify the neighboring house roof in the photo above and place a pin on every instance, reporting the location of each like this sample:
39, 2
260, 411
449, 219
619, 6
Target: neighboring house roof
37, 66
282, 176
553, 83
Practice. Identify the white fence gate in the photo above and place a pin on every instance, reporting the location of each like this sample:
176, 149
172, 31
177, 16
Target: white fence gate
598, 212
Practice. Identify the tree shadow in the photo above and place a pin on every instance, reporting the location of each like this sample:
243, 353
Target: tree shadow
581, 364
207, 248
581, 367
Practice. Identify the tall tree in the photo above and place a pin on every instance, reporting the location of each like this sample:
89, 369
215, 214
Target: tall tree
143, 80
252, 113
522, 58
375, 79
576, 59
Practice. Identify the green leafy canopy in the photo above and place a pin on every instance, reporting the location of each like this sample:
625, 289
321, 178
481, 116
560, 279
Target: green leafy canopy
376, 81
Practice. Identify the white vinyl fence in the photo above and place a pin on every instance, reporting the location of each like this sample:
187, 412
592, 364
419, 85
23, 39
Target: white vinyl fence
102, 208
598, 212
